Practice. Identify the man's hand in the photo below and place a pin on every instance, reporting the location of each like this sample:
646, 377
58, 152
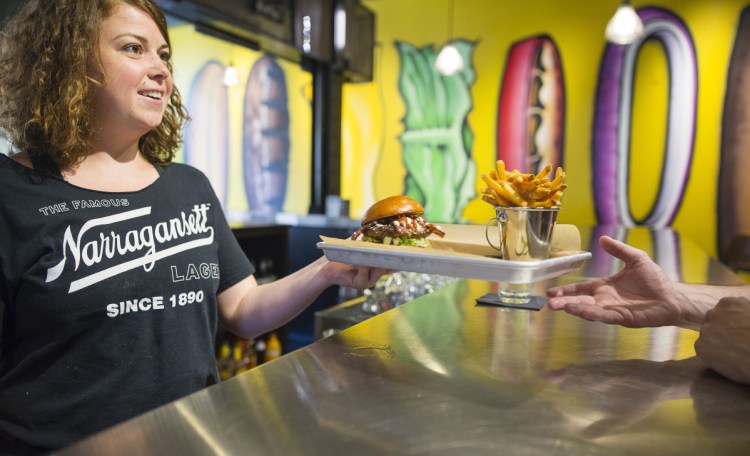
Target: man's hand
724, 342
640, 295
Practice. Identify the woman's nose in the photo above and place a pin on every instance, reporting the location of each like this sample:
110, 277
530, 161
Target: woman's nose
158, 68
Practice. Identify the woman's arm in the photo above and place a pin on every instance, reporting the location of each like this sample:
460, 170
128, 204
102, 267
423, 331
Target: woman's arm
248, 309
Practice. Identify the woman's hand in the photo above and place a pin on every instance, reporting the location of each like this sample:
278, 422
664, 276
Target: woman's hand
359, 277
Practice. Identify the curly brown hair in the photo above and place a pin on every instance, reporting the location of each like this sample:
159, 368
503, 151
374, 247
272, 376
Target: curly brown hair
46, 91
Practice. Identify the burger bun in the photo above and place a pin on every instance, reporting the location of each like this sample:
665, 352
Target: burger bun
393, 205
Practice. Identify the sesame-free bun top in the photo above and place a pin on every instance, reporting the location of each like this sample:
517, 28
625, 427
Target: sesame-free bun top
393, 205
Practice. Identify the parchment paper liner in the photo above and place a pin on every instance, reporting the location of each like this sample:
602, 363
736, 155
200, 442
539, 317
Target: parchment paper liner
470, 240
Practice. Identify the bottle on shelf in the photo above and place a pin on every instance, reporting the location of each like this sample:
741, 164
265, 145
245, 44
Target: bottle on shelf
273, 348
248, 353
224, 362
260, 349
244, 356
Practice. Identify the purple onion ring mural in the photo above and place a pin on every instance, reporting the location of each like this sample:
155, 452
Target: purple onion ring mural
612, 123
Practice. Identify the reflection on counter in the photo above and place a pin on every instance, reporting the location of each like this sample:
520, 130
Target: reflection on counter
681, 258
391, 290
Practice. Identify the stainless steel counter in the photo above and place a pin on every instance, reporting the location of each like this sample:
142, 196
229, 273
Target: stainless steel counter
442, 375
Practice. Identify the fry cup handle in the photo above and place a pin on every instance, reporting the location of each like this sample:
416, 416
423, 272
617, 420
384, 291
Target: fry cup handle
487, 234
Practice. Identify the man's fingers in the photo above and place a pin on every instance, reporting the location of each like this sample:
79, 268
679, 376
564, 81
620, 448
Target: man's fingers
596, 313
620, 250
570, 289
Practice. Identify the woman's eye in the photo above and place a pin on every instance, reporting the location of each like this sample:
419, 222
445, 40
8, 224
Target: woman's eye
165, 56
132, 48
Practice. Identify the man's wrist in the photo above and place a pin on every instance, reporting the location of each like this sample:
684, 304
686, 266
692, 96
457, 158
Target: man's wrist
691, 305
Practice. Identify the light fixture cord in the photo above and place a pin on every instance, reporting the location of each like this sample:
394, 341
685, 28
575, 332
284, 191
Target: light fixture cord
451, 12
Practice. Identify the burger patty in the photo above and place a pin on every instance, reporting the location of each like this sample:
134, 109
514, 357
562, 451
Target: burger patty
397, 226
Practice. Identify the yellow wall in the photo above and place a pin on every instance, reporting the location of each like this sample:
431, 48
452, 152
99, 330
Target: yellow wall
371, 160
192, 51
373, 113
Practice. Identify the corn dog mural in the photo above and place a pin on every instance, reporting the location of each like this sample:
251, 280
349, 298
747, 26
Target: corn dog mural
437, 140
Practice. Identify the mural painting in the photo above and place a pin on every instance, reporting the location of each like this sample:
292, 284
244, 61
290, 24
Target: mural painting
733, 217
206, 137
266, 137
437, 140
531, 111
611, 149
641, 144
611, 129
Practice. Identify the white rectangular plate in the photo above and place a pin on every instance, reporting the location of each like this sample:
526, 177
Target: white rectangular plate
469, 266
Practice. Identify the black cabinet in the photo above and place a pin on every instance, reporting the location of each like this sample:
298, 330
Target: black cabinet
266, 245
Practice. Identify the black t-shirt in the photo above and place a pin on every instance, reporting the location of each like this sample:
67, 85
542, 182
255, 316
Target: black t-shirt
108, 299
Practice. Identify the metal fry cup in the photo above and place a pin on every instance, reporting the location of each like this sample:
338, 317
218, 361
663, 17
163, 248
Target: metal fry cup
524, 233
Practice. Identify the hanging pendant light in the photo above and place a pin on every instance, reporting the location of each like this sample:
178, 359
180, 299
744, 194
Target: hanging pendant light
449, 61
231, 78
625, 27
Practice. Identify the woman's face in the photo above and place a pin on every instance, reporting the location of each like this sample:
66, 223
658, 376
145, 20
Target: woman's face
138, 86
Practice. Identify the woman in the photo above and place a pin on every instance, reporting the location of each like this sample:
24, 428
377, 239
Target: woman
98, 231
641, 295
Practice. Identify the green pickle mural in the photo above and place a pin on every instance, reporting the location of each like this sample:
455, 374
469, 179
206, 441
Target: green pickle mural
437, 140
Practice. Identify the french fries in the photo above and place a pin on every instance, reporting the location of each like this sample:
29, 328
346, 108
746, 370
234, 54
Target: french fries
516, 189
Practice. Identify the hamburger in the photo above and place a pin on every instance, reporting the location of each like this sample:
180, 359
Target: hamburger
396, 220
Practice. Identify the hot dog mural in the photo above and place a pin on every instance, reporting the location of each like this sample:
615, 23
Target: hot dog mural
531, 111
